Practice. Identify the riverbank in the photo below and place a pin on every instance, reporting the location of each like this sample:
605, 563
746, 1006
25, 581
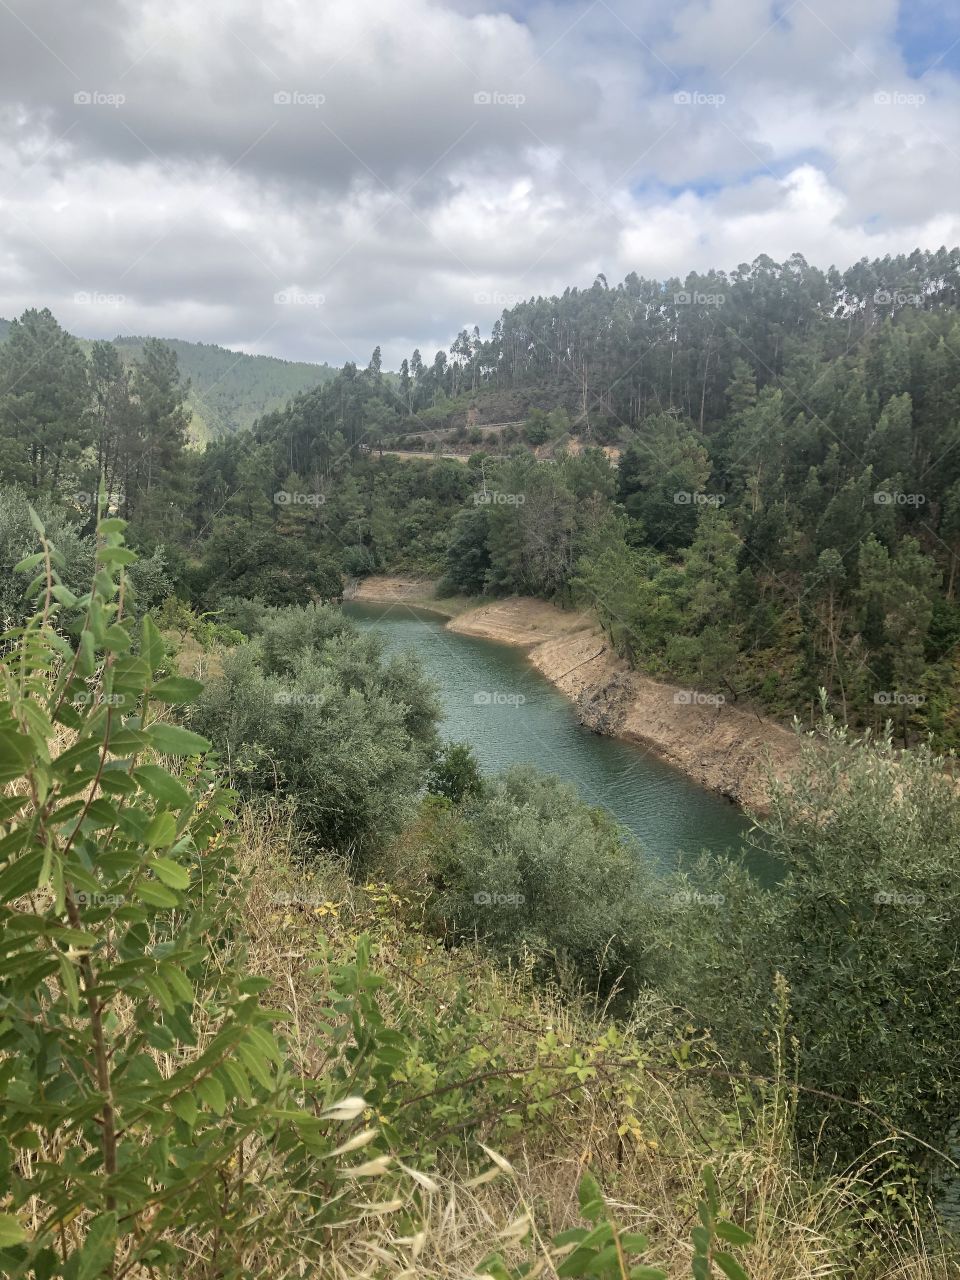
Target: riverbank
723, 747
417, 592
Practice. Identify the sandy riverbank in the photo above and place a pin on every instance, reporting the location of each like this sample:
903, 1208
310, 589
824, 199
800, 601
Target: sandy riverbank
723, 747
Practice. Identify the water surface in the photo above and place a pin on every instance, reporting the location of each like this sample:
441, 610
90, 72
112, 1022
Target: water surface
494, 699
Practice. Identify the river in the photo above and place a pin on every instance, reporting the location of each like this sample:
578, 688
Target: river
509, 713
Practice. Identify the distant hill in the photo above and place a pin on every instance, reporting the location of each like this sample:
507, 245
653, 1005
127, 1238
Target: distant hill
228, 389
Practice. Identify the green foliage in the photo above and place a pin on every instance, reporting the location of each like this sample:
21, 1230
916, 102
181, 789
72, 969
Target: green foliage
528, 867
861, 932
311, 710
229, 390
455, 773
145, 1094
269, 567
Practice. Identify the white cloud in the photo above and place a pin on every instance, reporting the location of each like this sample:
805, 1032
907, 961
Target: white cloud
403, 201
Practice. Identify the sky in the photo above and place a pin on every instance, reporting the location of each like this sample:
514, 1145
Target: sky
311, 178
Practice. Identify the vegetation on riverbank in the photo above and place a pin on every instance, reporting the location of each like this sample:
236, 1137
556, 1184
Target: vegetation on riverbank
221, 1054
782, 516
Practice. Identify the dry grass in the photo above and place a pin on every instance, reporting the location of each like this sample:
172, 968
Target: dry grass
806, 1225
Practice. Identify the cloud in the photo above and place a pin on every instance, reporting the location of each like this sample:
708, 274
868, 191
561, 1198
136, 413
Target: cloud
415, 166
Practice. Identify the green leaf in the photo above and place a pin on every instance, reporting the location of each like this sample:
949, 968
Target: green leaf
156, 895
177, 689
733, 1234
179, 983
30, 562
713, 1190
256, 1064
239, 1080
170, 872
110, 556
211, 1091
16, 749
162, 786
633, 1242
701, 1240
160, 992
590, 1197
64, 595
576, 1264
185, 1108
117, 639
647, 1273
730, 1267
170, 739
576, 1235
605, 1258
96, 1256
151, 643
11, 1231
162, 832
23, 874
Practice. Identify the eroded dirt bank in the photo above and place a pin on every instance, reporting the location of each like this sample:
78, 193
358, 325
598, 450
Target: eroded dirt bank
720, 745
723, 747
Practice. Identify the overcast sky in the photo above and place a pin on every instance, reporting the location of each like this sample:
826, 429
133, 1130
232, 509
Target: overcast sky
307, 178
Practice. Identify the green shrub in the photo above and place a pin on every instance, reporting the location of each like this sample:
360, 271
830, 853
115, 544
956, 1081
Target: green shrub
863, 930
149, 1123
455, 773
527, 866
312, 711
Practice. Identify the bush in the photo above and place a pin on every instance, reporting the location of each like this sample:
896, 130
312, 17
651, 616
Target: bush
147, 1115
528, 867
18, 538
312, 711
455, 773
863, 930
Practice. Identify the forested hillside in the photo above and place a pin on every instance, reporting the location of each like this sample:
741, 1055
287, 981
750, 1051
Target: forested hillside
784, 516
227, 390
